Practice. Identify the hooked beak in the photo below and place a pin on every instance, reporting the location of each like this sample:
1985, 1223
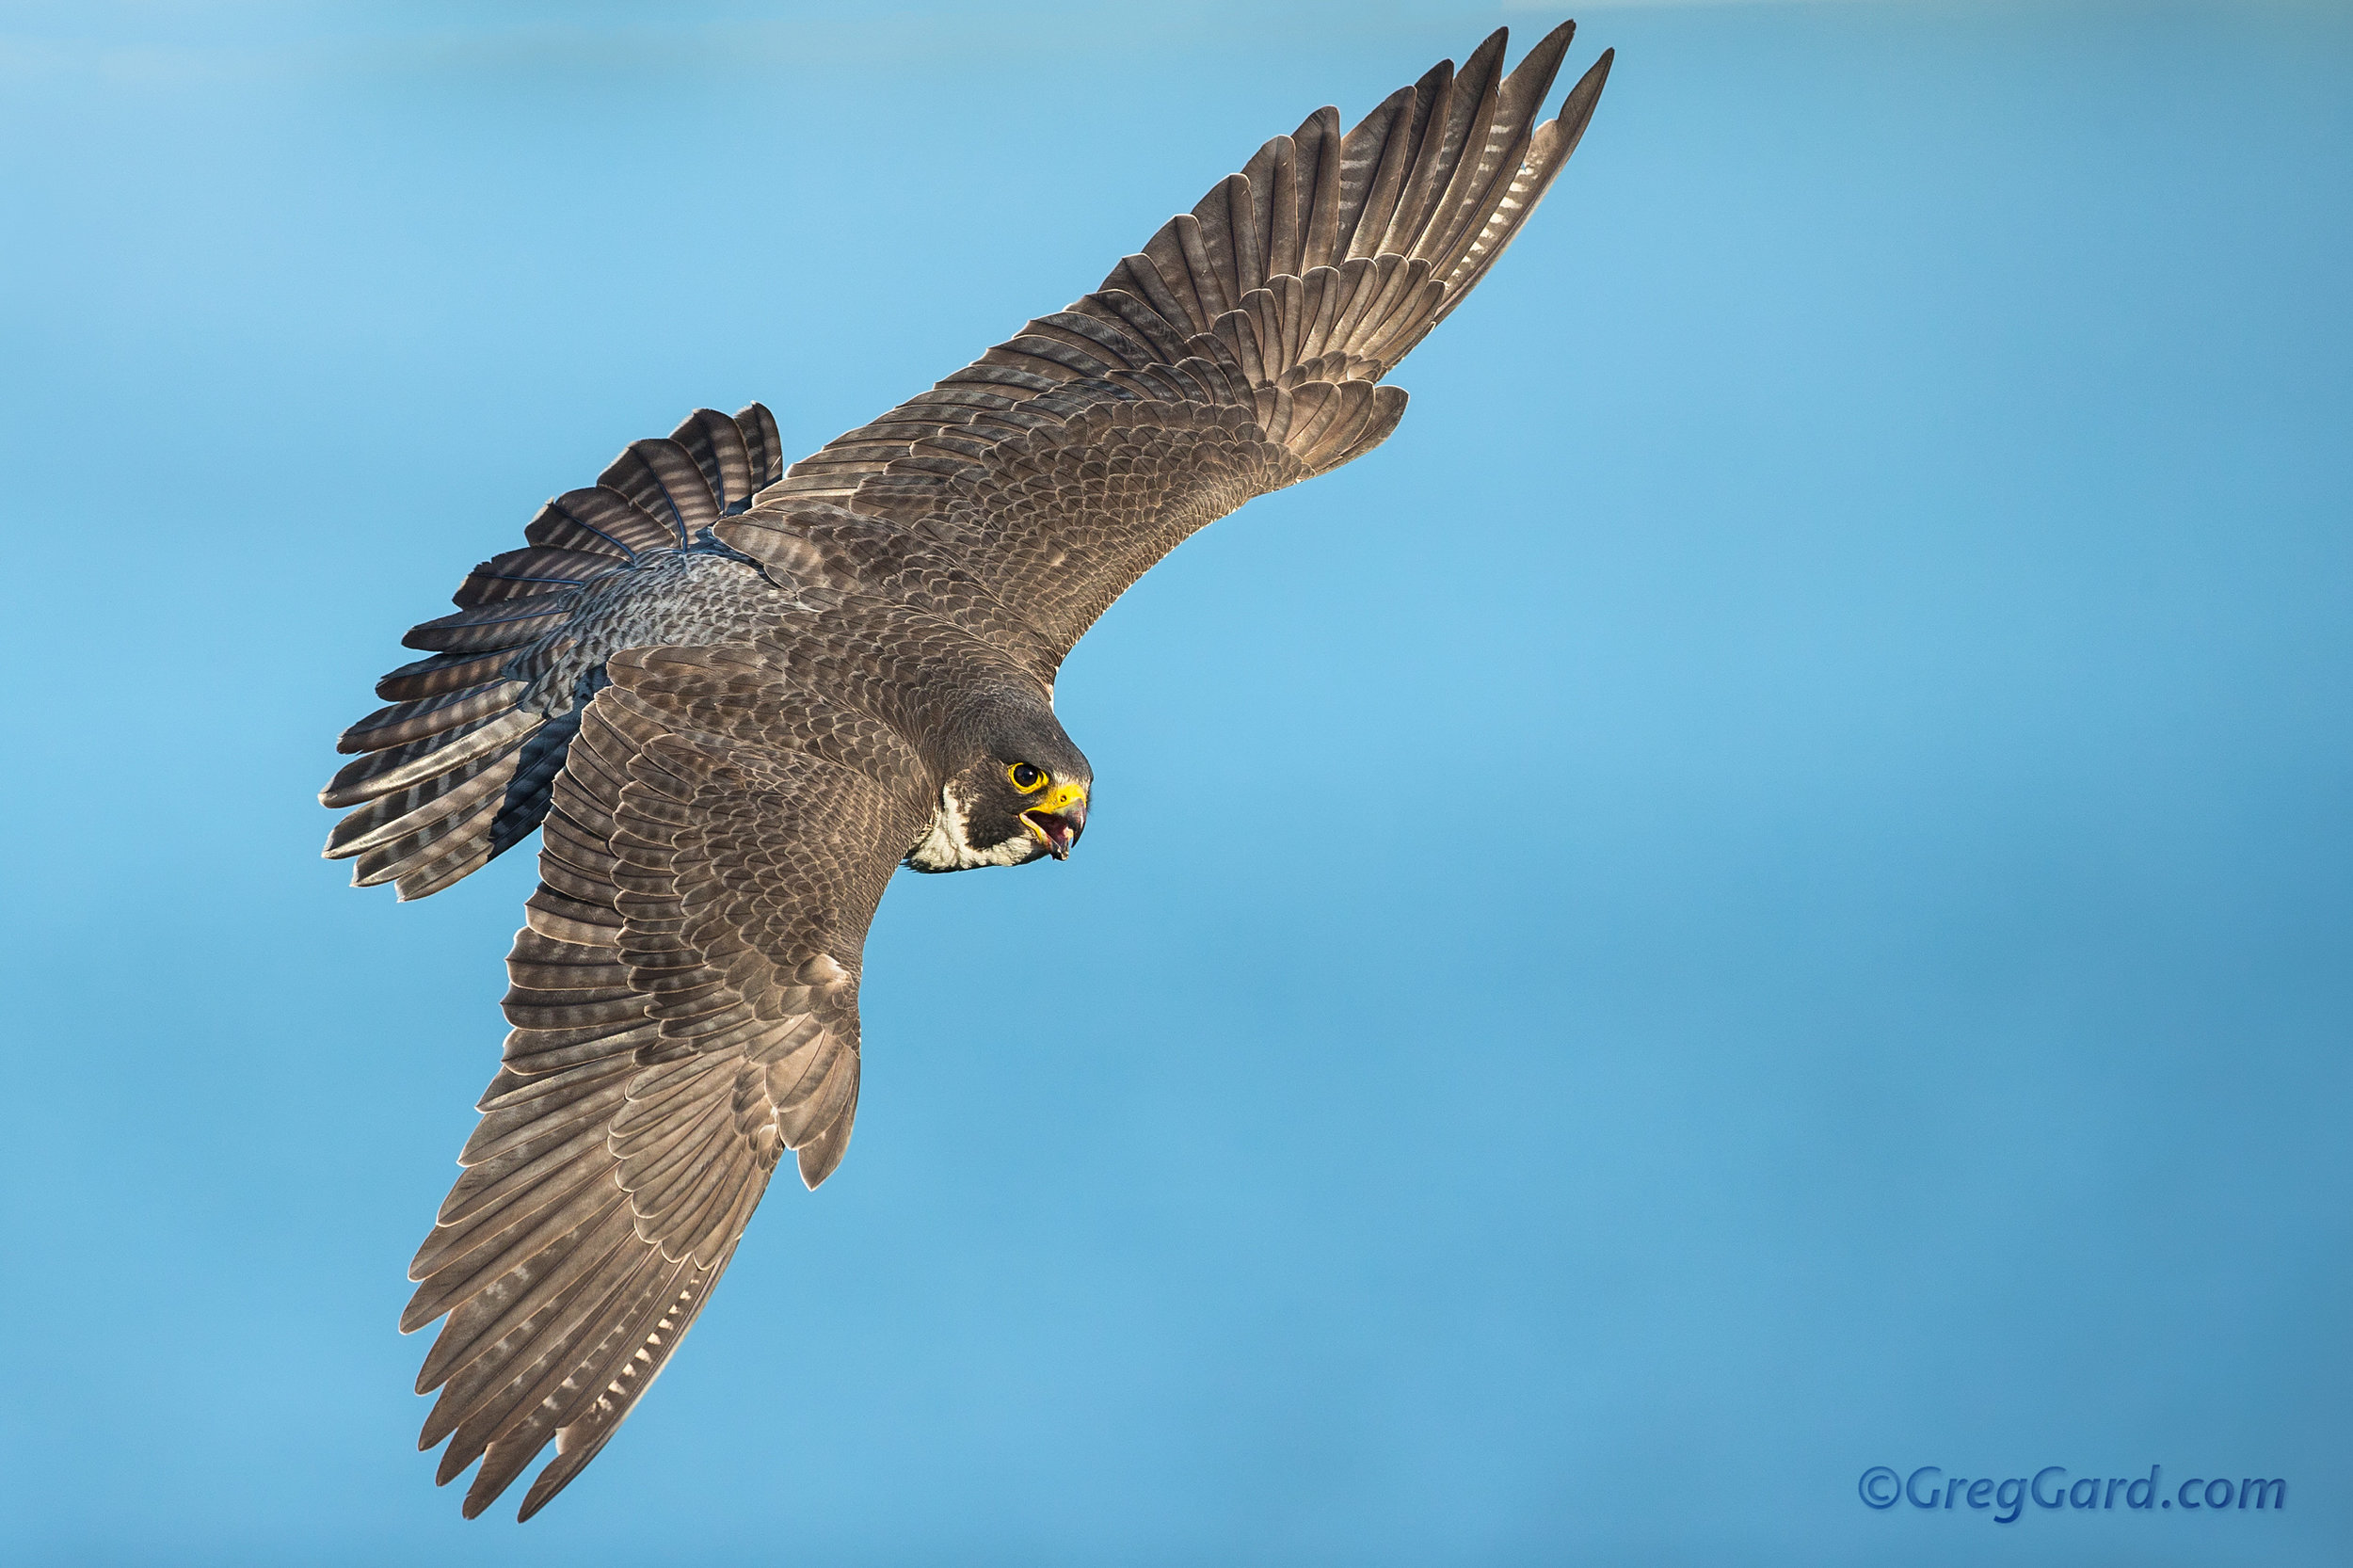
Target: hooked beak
1057, 821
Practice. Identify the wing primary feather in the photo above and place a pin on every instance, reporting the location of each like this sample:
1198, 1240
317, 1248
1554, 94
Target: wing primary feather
1373, 170
1318, 142
489, 1394
509, 1453
1418, 190
1479, 97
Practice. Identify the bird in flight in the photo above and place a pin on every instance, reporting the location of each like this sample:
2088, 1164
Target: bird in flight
736, 695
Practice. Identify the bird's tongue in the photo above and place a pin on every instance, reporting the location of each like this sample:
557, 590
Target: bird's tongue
1060, 829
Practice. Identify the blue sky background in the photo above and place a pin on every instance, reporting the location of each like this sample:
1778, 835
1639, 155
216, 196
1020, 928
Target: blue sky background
1763, 890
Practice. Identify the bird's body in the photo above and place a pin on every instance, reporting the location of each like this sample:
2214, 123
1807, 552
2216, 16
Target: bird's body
738, 697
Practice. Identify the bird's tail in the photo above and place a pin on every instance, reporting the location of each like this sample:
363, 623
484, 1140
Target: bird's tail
460, 766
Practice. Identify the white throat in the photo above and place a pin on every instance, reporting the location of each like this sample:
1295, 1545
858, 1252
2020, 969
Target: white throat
944, 846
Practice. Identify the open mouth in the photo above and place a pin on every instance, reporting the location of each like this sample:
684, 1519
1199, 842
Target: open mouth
1058, 830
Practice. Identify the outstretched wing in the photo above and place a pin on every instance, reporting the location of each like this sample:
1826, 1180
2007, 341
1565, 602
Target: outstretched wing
1238, 352
684, 1006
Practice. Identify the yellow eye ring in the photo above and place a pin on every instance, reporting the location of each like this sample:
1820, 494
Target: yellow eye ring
1028, 780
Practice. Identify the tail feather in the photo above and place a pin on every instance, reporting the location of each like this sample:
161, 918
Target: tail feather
533, 570
398, 767
422, 856
763, 445
443, 672
716, 444
412, 721
459, 789
662, 478
598, 521
506, 624
459, 766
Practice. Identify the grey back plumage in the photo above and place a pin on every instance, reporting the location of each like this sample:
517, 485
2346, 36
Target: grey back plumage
730, 693
459, 766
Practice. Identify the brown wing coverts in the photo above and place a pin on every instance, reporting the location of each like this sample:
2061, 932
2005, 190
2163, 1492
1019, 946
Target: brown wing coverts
1309, 274
685, 1003
446, 777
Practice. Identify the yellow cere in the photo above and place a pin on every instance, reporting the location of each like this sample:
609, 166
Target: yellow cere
1062, 799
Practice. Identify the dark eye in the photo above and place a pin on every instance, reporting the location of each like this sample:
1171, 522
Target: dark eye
1027, 779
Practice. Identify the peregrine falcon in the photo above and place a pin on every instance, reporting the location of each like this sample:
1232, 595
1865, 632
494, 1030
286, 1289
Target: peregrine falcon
736, 695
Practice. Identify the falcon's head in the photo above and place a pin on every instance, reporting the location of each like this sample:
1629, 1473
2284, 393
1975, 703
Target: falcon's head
1024, 797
